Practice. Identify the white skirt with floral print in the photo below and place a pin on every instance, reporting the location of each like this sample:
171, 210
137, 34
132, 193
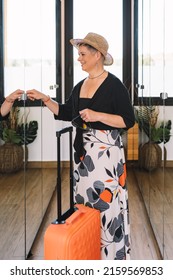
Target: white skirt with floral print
100, 182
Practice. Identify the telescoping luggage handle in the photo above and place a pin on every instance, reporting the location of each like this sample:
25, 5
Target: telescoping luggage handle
62, 217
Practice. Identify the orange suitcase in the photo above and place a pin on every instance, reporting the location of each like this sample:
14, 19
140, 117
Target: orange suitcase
75, 234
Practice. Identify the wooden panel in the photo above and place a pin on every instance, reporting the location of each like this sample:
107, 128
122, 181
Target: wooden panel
132, 143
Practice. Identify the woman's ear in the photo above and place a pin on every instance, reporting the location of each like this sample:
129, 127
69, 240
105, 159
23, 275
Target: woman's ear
100, 56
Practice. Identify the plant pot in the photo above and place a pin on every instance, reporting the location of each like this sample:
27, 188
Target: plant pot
11, 157
150, 156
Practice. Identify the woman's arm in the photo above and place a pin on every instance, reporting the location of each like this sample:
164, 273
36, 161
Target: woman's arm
51, 104
9, 100
109, 119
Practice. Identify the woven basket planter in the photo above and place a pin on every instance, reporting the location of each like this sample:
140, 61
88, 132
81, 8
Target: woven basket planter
150, 156
11, 157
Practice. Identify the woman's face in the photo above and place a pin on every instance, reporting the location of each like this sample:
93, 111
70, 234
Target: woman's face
88, 58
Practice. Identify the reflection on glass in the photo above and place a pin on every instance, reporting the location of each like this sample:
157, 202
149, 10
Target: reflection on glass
155, 47
29, 62
29, 45
155, 64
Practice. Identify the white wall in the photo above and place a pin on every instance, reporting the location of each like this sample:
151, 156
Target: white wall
45, 148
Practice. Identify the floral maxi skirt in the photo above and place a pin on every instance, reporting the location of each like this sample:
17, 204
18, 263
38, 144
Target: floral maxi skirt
100, 182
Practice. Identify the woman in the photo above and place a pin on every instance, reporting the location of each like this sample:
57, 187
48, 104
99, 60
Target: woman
8, 102
99, 106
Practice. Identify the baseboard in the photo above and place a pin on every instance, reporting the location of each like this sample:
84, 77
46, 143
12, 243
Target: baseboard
46, 164
66, 164
168, 163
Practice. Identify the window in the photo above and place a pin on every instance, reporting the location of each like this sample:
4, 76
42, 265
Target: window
104, 18
155, 50
29, 45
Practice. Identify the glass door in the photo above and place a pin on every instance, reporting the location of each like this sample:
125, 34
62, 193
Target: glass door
29, 62
155, 118
150, 72
167, 93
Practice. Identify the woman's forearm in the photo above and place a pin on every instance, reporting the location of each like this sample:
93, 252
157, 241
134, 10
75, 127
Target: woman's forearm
89, 115
52, 105
6, 107
112, 120
8, 103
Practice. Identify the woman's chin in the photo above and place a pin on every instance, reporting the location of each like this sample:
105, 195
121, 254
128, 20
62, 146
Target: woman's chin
84, 69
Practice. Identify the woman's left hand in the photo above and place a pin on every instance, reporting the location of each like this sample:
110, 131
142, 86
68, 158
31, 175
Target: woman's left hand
109, 119
89, 115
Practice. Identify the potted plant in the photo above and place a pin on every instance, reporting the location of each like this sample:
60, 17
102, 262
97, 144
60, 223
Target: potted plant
16, 134
150, 153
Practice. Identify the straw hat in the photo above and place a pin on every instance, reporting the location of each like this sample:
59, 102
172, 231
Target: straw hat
98, 42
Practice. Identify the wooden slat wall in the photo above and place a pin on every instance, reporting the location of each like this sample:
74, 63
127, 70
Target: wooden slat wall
132, 143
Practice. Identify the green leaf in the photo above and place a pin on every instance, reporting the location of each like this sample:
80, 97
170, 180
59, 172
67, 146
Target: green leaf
146, 118
10, 136
28, 132
16, 131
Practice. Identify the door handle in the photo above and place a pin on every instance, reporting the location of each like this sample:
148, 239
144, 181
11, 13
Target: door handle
51, 87
163, 95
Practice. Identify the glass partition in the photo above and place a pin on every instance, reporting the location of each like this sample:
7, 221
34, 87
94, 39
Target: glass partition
155, 153
29, 62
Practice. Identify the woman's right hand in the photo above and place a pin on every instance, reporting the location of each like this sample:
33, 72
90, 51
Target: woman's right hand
35, 94
51, 104
9, 100
14, 95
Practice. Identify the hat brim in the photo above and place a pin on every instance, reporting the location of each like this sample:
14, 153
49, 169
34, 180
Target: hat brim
75, 42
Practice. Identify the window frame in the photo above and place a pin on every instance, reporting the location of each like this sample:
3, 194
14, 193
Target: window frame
143, 100
68, 49
127, 63
58, 51
1, 53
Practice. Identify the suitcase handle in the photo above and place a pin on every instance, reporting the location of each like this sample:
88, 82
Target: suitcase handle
81, 210
62, 217
64, 130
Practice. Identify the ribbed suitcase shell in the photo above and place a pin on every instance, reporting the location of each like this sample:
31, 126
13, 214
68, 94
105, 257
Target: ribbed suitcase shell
76, 239
75, 234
